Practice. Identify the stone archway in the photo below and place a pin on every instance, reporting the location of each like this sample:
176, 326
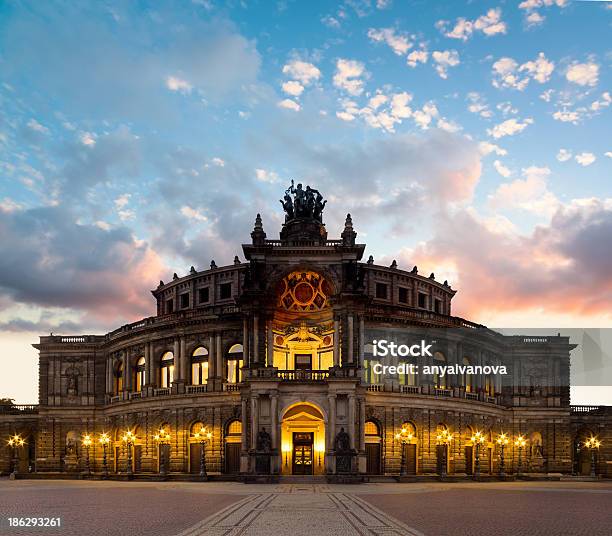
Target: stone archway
303, 440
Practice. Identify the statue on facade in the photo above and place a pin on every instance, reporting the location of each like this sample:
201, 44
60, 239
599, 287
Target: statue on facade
72, 387
305, 203
342, 443
264, 441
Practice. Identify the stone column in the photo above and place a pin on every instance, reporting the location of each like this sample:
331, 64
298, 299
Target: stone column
147, 356
219, 352
128, 371
331, 433
244, 456
274, 435
184, 360
336, 343
255, 338
351, 419
245, 342
362, 413
176, 352
254, 420
350, 339
126, 368
361, 340
270, 344
212, 362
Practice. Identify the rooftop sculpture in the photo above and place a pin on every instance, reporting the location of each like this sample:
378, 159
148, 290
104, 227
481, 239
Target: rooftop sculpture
305, 203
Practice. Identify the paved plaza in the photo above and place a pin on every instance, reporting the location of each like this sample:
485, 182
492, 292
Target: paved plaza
232, 509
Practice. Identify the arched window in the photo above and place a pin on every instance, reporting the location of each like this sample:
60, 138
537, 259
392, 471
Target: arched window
234, 428
368, 363
234, 363
199, 366
439, 379
410, 429
196, 427
371, 429
167, 369
467, 378
118, 380
139, 372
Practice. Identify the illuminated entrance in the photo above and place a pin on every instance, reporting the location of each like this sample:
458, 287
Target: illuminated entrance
303, 440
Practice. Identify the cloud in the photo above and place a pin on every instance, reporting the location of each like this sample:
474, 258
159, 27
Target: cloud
173, 83
508, 73
416, 57
510, 127
585, 159
105, 274
400, 44
348, 76
304, 72
289, 105
487, 148
107, 68
501, 169
293, 88
37, 127
564, 155
193, 214
501, 270
534, 18
444, 60
583, 74
266, 176
489, 24
478, 105
608, 154
88, 139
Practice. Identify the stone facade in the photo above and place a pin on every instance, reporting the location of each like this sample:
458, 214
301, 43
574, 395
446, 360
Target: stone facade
272, 357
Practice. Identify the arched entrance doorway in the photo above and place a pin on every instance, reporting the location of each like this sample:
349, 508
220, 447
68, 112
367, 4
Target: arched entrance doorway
303, 440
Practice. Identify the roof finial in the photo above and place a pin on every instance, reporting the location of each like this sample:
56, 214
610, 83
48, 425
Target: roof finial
370, 260
213, 264
258, 235
348, 235
394, 265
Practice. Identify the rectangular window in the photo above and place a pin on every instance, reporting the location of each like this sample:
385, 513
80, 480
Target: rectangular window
203, 295
438, 306
303, 361
381, 291
234, 372
199, 373
169, 306
184, 300
422, 300
403, 295
225, 291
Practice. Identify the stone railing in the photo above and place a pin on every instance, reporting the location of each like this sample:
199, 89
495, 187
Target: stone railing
196, 389
423, 316
231, 387
303, 375
430, 391
18, 409
162, 391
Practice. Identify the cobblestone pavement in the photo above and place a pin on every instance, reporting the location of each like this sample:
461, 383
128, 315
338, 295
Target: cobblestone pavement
386, 509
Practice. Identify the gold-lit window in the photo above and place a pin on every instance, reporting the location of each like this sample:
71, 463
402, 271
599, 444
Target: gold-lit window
119, 378
235, 363
303, 291
234, 428
371, 428
199, 366
140, 374
167, 369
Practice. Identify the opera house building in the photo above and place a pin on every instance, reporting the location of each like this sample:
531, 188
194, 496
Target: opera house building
267, 368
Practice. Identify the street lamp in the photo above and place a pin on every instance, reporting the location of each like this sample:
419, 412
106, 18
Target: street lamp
104, 440
477, 440
15, 442
593, 443
129, 438
404, 437
444, 438
502, 441
203, 436
519, 442
163, 438
87, 442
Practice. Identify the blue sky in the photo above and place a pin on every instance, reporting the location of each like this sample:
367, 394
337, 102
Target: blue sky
140, 138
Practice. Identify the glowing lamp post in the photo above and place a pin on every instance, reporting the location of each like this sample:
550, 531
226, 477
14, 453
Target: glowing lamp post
403, 437
519, 443
104, 440
87, 442
203, 436
477, 440
444, 438
15, 442
129, 438
593, 443
163, 438
502, 441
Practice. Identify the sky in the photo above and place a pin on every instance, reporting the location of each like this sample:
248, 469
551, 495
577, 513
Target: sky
140, 138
